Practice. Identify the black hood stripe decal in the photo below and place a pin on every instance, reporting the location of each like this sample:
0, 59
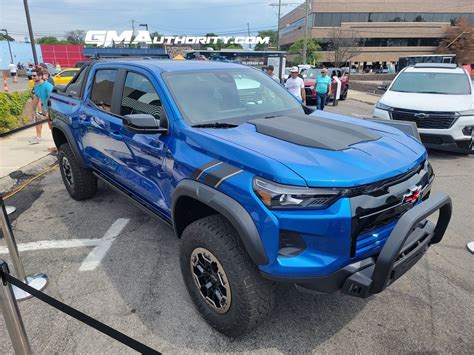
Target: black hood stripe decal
217, 176
197, 173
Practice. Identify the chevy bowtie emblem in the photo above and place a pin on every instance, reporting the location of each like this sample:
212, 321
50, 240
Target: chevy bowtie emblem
421, 115
413, 195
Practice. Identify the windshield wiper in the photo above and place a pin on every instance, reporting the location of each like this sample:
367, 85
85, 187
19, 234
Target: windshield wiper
215, 125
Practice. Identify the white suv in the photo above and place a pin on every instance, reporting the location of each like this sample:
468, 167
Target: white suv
439, 98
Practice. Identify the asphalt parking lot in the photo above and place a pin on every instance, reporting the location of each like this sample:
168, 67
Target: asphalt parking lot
137, 287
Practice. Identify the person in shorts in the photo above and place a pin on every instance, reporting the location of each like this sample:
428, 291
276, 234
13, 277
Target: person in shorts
13, 71
42, 90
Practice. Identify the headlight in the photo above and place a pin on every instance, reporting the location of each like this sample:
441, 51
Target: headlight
279, 196
466, 113
382, 106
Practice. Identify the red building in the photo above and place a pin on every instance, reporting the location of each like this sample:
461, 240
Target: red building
66, 55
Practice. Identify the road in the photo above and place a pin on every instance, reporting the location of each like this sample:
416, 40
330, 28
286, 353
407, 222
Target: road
137, 286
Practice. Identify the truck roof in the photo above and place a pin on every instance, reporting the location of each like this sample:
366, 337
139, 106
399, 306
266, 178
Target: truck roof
164, 65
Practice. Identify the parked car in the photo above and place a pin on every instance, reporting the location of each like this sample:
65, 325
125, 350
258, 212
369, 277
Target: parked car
309, 77
65, 76
258, 191
439, 98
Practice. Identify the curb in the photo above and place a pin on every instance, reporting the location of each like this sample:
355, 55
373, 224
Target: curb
7, 182
360, 100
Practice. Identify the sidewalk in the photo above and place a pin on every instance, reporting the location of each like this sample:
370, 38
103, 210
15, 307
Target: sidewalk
361, 96
16, 152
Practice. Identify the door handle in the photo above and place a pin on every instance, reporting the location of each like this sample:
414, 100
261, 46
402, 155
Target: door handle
116, 135
84, 120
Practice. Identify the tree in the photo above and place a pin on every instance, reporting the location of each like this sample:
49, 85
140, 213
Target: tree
157, 35
343, 46
49, 40
459, 40
75, 36
312, 51
4, 37
273, 40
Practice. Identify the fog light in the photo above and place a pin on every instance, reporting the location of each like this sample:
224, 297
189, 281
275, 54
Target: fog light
467, 131
290, 244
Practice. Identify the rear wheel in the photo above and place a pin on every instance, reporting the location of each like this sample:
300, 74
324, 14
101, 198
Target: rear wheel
224, 284
80, 183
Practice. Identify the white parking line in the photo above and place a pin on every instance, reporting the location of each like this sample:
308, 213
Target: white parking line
97, 254
55, 244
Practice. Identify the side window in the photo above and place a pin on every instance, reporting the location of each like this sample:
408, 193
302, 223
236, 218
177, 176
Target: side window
139, 96
103, 87
75, 86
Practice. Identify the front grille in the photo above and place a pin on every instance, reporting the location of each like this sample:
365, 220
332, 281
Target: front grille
426, 119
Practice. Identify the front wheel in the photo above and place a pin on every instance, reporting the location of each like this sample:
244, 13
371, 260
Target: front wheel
224, 284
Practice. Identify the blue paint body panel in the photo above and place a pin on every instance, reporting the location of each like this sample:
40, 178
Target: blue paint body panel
150, 166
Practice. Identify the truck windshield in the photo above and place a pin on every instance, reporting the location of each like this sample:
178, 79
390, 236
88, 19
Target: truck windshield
228, 95
432, 83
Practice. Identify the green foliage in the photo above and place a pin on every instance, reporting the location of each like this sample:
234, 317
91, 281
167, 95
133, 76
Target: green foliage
11, 110
312, 51
273, 40
49, 40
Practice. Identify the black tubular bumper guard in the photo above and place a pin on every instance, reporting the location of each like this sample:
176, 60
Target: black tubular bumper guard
409, 240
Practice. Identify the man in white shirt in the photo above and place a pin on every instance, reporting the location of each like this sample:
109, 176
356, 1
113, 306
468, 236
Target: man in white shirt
295, 85
13, 72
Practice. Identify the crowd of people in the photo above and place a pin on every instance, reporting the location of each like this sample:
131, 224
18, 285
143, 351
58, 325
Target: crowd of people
295, 85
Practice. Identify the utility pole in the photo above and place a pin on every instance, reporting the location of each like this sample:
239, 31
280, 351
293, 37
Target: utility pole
8, 40
278, 24
30, 30
248, 34
305, 38
279, 5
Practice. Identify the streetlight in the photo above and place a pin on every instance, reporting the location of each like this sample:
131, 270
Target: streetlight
144, 25
8, 40
142, 45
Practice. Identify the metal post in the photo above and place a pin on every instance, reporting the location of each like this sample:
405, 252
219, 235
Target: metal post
9, 46
11, 314
30, 30
305, 38
38, 281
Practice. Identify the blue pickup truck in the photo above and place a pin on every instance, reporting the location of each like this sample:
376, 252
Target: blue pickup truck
259, 188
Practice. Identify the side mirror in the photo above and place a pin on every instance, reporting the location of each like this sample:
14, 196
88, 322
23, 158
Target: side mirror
145, 123
383, 87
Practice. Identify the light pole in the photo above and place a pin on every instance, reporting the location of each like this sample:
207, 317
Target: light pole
8, 40
305, 38
30, 30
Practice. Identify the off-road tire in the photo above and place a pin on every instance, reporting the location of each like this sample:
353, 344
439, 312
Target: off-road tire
84, 183
252, 297
344, 94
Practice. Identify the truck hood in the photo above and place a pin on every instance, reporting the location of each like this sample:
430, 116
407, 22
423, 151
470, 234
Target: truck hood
428, 102
325, 150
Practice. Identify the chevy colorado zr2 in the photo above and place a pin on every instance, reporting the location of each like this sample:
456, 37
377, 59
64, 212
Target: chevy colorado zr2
259, 188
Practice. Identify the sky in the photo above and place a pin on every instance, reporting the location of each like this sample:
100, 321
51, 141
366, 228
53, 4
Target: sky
226, 17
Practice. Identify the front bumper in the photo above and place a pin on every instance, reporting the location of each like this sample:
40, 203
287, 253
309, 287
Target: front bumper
407, 243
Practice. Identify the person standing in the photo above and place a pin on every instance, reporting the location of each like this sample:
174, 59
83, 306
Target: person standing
295, 85
13, 71
42, 90
323, 89
270, 71
47, 77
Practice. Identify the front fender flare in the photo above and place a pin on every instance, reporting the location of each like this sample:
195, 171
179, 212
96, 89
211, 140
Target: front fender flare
66, 130
230, 209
